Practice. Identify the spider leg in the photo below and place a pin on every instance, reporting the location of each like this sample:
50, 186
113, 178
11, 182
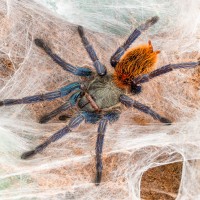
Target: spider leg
52, 114
43, 97
79, 71
101, 70
163, 70
134, 35
66, 106
74, 122
127, 101
109, 117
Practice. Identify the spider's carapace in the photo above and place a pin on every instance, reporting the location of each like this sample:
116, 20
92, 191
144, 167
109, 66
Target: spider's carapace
136, 61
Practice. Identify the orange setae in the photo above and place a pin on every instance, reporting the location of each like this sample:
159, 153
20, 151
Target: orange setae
136, 61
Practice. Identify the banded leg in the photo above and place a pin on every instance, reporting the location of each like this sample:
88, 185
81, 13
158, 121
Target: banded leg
109, 117
43, 97
134, 35
79, 71
74, 122
101, 70
163, 70
127, 101
66, 106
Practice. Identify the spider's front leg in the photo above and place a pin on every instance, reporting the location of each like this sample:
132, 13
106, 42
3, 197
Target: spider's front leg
74, 122
108, 117
79, 71
66, 106
43, 97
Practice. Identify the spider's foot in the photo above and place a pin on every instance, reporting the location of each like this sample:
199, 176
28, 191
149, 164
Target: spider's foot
1, 103
165, 120
44, 119
153, 20
80, 30
27, 154
39, 42
98, 178
148, 23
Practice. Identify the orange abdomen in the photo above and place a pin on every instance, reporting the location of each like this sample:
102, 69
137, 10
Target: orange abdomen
136, 61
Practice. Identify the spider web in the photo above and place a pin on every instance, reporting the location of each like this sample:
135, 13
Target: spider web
136, 143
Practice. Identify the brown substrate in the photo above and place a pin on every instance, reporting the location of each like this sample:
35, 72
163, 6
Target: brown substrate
161, 183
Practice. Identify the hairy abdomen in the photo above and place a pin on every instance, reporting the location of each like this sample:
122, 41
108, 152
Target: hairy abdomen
136, 61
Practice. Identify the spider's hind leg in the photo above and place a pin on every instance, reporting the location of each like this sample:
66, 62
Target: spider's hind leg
111, 116
163, 70
101, 70
127, 101
134, 35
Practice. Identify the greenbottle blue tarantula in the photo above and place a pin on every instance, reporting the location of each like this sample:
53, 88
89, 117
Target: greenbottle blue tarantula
99, 99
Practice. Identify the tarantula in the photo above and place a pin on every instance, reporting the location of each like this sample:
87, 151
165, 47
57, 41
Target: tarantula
98, 99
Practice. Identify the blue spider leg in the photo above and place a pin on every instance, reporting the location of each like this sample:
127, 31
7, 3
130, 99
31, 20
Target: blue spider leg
74, 122
79, 71
108, 117
43, 97
128, 102
134, 35
163, 70
101, 70
66, 106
